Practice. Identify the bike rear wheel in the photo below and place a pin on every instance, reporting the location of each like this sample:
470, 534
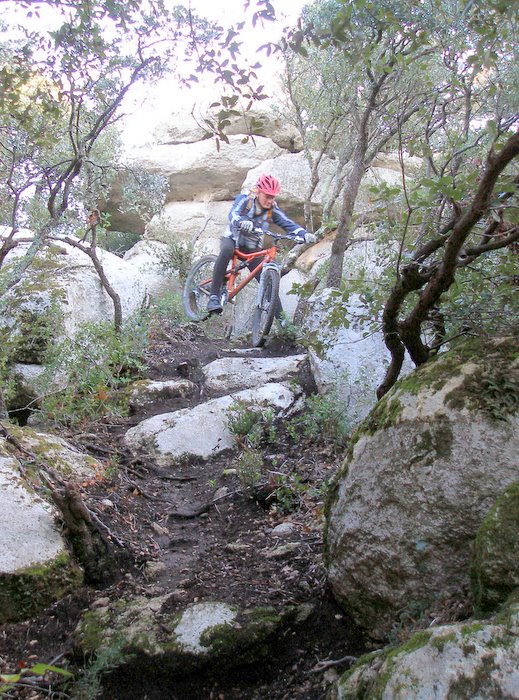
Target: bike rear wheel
197, 288
266, 309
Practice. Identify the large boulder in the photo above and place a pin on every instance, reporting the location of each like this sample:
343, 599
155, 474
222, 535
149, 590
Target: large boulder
198, 171
187, 126
202, 431
348, 359
495, 563
478, 659
61, 290
61, 455
36, 567
156, 639
229, 373
196, 224
293, 172
153, 263
422, 472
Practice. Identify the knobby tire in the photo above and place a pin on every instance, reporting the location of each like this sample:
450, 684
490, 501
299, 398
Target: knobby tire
266, 309
197, 288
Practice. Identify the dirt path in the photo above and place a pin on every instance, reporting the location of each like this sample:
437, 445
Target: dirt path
195, 535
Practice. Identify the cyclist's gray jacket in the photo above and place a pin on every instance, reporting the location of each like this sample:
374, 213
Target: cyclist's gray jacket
247, 207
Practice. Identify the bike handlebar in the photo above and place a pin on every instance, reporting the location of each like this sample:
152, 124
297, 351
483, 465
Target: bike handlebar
280, 236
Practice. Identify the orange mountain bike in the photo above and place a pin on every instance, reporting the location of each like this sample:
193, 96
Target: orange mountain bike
198, 285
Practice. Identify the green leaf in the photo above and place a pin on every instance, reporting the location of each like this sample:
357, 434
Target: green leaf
10, 677
40, 670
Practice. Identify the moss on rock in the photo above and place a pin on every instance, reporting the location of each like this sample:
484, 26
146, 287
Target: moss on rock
461, 660
181, 642
495, 561
26, 592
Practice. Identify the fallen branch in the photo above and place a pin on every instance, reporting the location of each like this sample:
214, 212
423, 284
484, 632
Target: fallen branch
323, 665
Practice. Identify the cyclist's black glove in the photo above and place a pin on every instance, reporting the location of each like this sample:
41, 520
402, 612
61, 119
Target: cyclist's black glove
246, 226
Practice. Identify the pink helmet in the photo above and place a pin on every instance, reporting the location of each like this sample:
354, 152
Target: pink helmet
268, 184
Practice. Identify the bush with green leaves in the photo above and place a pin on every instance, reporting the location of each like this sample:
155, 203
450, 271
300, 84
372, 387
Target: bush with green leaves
286, 330
322, 420
26, 676
167, 310
177, 256
82, 374
251, 423
250, 469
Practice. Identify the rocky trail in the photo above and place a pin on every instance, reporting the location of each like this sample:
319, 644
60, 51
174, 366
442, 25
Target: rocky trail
192, 533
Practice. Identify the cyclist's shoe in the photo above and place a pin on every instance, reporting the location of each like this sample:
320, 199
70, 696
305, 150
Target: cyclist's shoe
214, 305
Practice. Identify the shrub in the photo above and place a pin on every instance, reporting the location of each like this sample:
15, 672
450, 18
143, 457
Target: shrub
251, 423
82, 374
250, 469
322, 420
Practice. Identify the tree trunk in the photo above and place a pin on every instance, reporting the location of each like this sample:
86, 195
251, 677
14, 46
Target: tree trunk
92, 254
91, 549
351, 190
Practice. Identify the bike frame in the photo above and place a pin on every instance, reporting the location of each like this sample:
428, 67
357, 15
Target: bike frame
239, 262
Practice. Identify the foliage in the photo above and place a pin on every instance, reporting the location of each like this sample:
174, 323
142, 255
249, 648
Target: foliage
10, 681
356, 72
83, 374
286, 330
250, 469
66, 70
322, 420
437, 82
497, 394
118, 242
251, 423
89, 685
177, 256
253, 426
166, 310
289, 489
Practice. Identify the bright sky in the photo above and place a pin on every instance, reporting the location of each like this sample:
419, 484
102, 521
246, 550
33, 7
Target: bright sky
146, 108
154, 107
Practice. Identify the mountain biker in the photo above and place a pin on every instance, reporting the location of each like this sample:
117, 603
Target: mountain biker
251, 211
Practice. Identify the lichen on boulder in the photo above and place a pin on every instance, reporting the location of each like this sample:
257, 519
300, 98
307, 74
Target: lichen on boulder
464, 660
422, 471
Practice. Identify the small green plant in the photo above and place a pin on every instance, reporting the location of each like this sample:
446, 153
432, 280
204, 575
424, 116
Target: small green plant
286, 330
496, 394
251, 424
322, 420
89, 684
288, 493
414, 617
112, 467
250, 469
166, 309
291, 491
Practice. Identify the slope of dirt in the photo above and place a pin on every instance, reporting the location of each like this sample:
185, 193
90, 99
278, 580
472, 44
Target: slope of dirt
181, 534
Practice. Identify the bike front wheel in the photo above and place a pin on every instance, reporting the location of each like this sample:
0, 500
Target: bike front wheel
197, 288
266, 309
